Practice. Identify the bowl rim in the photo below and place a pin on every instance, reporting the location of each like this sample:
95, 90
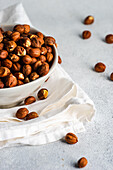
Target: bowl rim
40, 78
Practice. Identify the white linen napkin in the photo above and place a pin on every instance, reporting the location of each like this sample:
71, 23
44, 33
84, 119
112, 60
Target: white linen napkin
65, 110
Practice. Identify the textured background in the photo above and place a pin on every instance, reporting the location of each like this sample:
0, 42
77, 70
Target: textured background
63, 19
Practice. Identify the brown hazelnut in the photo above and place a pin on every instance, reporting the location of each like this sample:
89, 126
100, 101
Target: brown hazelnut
36, 65
34, 52
7, 34
26, 80
26, 28
1, 30
34, 60
32, 115
16, 67
43, 69
89, 20
43, 50
42, 94
37, 42
1, 84
19, 75
82, 162
20, 51
27, 59
11, 81
1, 37
22, 113
4, 71
3, 54
59, 60
27, 70
14, 58
49, 57
15, 36
71, 138
1, 46
25, 42
10, 46
49, 40
33, 76
40, 35
49, 49
19, 28
7, 63
29, 100
100, 67
86, 34
19, 82
109, 39
111, 77
32, 36
42, 58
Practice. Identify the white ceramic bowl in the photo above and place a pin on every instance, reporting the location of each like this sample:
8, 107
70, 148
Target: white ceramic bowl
10, 97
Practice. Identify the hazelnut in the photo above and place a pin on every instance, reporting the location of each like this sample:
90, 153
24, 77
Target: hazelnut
49, 40
27, 70
27, 59
20, 51
19, 28
26, 80
59, 60
33, 76
7, 34
34, 52
37, 42
19, 75
43, 69
11, 81
32, 115
16, 67
42, 58
71, 138
111, 77
25, 42
32, 36
82, 162
40, 35
34, 60
1, 30
1, 46
49, 49
37, 65
1, 37
22, 113
15, 36
14, 58
89, 20
3, 54
10, 46
1, 84
86, 34
42, 94
100, 67
109, 39
26, 28
19, 82
49, 57
7, 63
29, 100
43, 50
4, 71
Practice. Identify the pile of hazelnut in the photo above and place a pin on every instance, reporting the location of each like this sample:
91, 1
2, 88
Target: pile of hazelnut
24, 56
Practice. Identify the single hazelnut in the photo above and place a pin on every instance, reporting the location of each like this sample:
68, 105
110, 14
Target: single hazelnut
89, 20
4, 71
25, 42
71, 138
43, 69
36, 65
40, 35
15, 36
19, 75
22, 113
3, 54
14, 58
1, 37
19, 28
7, 63
10, 46
59, 60
20, 51
86, 34
49, 49
109, 39
100, 67
26, 80
34, 52
1, 46
29, 100
49, 57
37, 42
42, 58
7, 34
42, 94
27, 70
1, 84
82, 162
11, 81
111, 77
16, 67
49, 40
19, 82
43, 50
27, 59
33, 76
26, 28
34, 60
32, 115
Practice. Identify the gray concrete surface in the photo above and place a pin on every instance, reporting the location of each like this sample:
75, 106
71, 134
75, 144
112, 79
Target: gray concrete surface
63, 19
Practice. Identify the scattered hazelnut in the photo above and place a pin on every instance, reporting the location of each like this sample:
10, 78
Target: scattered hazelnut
71, 138
25, 42
4, 71
27, 70
14, 58
26, 28
33, 76
16, 67
86, 34
32, 115
27, 59
42, 94
20, 51
40, 35
100, 67
109, 39
10, 46
111, 77
49, 57
34, 52
43, 50
29, 100
22, 113
11, 81
19, 82
49, 40
7, 63
19, 75
43, 69
59, 60
89, 20
3, 54
82, 162
1, 46
19, 28
1, 84
15, 36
